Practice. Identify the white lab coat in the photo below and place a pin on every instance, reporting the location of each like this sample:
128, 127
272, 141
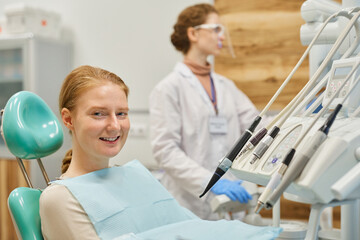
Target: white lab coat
182, 144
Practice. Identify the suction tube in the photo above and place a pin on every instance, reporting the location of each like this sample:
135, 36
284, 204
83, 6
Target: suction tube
227, 161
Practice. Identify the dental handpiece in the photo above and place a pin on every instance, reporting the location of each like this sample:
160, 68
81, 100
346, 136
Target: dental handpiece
277, 176
227, 161
264, 145
254, 140
302, 158
274, 180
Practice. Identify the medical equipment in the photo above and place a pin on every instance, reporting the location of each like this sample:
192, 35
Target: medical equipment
309, 149
319, 10
337, 75
306, 154
254, 140
277, 176
229, 42
339, 94
319, 182
336, 93
227, 161
31, 131
349, 183
264, 144
217, 28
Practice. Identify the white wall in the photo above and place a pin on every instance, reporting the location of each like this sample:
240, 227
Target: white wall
129, 38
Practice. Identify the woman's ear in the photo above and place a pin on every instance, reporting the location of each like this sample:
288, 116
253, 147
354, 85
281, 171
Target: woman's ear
67, 118
192, 34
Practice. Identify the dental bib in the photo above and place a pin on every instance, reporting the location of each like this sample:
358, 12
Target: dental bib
129, 203
126, 199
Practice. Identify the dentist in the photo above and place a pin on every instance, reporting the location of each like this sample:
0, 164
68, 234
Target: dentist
197, 115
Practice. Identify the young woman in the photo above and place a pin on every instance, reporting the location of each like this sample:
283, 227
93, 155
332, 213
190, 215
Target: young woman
197, 115
93, 106
94, 201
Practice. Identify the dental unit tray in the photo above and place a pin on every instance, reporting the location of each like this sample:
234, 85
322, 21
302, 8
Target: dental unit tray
335, 157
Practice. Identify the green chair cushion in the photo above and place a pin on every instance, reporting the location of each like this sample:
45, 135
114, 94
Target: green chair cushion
31, 130
24, 208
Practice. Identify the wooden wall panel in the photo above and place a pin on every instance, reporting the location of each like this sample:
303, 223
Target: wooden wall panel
225, 6
10, 178
265, 35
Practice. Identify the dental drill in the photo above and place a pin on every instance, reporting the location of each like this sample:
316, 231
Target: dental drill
301, 159
316, 141
227, 161
298, 165
263, 146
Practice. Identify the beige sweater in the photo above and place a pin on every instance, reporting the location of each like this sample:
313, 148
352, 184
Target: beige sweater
62, 216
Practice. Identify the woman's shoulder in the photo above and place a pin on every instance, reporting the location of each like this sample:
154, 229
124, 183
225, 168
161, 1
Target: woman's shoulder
62, 216
179, 72
57, 200
172, 78
170, 84
55, 193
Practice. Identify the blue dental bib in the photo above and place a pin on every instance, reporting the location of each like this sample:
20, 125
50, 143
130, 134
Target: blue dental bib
128, 203
126, 199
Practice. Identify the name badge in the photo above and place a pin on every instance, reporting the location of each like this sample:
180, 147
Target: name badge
217, 125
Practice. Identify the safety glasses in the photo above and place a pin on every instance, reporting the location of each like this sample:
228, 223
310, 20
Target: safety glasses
217, 28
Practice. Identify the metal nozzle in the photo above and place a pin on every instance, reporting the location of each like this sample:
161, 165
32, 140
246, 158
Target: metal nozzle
253, 159
246, 148
217, 175
327, 125
226, 163
259, 206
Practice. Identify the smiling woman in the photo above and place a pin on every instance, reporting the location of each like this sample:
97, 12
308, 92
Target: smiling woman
93, 106
94, 201
99, 125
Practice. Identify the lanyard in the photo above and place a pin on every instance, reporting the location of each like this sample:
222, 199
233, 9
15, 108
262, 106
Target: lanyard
213, 95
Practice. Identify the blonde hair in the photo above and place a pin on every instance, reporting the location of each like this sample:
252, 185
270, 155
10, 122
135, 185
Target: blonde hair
77, 82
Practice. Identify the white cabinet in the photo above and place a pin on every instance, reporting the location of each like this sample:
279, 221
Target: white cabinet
38, 65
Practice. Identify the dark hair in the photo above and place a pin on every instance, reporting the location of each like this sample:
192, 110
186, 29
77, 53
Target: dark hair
189, 17
76, 83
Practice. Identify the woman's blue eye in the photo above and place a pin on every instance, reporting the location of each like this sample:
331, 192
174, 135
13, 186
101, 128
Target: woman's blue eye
122, 114
98, 114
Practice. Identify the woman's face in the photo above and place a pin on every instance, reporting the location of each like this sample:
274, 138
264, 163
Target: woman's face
100, 122
210, 42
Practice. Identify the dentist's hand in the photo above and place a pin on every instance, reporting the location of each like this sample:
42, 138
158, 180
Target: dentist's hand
232, 189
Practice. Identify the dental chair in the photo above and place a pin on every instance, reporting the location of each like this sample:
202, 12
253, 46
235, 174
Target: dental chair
31, 131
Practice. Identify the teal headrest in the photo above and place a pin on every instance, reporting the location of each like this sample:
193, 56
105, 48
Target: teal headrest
31, 130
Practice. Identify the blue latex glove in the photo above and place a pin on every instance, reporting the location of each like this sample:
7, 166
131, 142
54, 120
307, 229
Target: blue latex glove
232, 189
